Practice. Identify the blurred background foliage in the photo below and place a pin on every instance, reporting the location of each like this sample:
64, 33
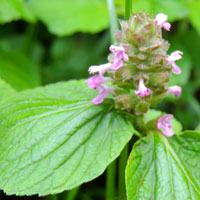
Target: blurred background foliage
46, 41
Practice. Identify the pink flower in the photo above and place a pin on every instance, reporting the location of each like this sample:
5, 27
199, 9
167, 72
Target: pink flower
143, 91
176, 90
102, 69
161, 20
120, 54
95, 81
176, 55
103, 90
165, 125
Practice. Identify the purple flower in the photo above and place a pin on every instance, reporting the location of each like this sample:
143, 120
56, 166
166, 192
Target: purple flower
142, 91
120, 54
176, 90
165, 125
103, 90
102, 69
176, 55
161, 20
95, 81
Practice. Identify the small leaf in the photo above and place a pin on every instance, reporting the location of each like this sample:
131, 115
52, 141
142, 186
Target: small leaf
5, 91
153, 114
66, 17
165, 168
54, 139
14, 10
18, 71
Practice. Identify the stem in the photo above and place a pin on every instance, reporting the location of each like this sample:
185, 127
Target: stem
53, 197
110, 181
128, 8
30, 38
71, 195
113, 19
121, 171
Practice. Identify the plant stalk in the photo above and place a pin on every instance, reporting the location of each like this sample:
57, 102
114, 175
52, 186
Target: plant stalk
110, 181
72, 194
113, 19
128, 8
121, 172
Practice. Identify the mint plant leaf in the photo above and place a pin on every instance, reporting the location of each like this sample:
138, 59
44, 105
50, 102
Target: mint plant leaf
194, 7
164, 168
14, 10
59, 16
54, 139
18, 71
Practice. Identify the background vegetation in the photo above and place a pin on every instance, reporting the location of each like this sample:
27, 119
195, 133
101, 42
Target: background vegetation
46, 41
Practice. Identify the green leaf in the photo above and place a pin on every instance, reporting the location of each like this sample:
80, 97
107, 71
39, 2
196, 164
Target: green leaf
168, 7
54, 139
194, 8
66, 17
5, 90
18, 71
165, 168
14, 10
198, 128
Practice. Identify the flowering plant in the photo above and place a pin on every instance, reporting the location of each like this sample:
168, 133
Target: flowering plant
57, 137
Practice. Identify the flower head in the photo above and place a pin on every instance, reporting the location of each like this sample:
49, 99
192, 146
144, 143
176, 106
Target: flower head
103, 90
161, 20
174, 56
165, 125
95, 81
120, 54
102, 69
176, 90
142, 91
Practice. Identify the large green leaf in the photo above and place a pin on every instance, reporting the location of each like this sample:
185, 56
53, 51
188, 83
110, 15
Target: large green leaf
64, 17
194, 8
168, 7
54, 138
165, 168
18, 71
5, 90
14, 10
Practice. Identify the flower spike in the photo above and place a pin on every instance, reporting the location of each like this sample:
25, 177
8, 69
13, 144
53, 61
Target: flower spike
176, 90
120, 54
161, 20
95, 81
165, 125
174, 56
103, 90
142, 91
102, 69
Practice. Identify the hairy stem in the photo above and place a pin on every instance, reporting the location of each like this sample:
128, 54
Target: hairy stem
128, 8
